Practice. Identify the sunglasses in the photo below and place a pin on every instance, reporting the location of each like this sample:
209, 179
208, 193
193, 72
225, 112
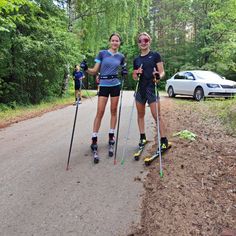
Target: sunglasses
145, 40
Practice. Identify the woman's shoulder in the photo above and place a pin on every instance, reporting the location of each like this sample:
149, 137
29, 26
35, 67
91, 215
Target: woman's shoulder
155, 53
104, 51
137, 58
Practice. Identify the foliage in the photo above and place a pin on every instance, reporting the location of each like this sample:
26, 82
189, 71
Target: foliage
42, 40
186, 134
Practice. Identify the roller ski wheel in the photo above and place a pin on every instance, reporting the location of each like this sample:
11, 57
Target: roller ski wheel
111, 148
95, 157
138, 154
149, 160
140, 149
94, 148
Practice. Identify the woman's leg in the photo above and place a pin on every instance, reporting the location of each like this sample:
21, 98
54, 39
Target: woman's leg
113, 109
141, 113
154, 114
102, 102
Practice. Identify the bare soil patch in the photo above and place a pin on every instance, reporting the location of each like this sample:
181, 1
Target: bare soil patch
197, 195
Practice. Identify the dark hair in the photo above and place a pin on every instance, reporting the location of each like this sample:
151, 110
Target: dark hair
115, 34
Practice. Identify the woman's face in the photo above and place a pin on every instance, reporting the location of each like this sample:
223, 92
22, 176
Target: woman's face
144, 42
114, 42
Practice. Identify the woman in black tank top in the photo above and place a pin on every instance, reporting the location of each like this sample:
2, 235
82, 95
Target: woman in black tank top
148, 69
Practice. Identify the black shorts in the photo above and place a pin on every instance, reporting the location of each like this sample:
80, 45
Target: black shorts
148, 96
77, 84
113, 91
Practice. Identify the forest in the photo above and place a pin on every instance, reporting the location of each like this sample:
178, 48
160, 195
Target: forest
42, 40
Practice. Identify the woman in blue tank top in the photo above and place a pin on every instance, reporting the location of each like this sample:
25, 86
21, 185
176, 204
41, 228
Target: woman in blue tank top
107, 63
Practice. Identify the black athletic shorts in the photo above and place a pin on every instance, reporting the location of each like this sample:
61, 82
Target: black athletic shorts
77, 84
113, 91
147, 96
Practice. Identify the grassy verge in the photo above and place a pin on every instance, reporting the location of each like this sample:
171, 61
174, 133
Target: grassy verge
17, 113
224, 110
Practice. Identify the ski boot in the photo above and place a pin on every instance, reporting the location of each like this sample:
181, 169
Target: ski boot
94, 148
141, 145
164, 147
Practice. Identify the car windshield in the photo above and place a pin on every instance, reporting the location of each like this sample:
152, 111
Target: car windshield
208, 75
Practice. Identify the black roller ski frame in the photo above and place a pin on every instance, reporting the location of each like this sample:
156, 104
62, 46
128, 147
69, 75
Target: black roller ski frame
149, 160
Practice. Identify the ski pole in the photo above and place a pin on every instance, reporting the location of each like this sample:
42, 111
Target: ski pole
131, 114
72, 136
118, 125
158, 129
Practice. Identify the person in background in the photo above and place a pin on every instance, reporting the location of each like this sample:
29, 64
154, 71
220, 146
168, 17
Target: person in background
78, 76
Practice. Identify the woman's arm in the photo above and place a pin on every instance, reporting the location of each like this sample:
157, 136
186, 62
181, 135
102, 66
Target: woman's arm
94, 70
160, 68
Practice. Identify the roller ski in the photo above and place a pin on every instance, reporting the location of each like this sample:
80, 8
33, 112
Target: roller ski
94, 148
141, 147
111, 145
164, 148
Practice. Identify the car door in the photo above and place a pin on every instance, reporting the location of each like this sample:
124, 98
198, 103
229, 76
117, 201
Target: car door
188, 84
177, 83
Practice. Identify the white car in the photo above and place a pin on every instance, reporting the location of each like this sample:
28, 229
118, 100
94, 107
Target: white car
200, 84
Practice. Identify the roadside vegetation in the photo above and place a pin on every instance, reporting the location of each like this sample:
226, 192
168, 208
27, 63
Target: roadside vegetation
223, 109
15, 112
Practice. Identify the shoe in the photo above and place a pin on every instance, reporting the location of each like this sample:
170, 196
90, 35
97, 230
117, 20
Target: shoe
142, 143
164, 147
164, 144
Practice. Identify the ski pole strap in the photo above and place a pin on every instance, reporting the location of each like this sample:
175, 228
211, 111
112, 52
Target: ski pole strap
109, 77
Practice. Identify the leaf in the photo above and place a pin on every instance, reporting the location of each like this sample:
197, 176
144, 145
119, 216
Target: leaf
186, 134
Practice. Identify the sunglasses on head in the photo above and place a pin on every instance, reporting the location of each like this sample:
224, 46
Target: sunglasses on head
145, 40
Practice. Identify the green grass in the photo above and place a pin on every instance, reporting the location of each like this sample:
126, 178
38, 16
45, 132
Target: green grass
13, 112
224, 109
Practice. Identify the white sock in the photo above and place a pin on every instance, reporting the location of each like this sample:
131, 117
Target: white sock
111, 131
95, 134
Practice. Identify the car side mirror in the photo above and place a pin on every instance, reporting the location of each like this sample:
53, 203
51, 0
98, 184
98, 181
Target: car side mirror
223, 77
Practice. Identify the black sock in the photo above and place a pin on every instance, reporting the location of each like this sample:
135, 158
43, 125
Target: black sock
143, 136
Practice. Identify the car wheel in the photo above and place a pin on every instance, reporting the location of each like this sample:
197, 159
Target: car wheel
171, 92
199, 94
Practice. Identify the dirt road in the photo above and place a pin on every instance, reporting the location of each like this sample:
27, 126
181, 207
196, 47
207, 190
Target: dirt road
37, 195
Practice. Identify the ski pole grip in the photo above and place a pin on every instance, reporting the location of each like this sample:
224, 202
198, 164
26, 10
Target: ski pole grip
139, 74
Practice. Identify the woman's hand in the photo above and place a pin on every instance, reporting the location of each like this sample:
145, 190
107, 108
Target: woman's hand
156, 76
137, 73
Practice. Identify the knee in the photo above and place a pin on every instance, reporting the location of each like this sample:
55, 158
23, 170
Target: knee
141, 115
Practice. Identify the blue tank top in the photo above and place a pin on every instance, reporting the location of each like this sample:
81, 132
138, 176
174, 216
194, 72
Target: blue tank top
109, 65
